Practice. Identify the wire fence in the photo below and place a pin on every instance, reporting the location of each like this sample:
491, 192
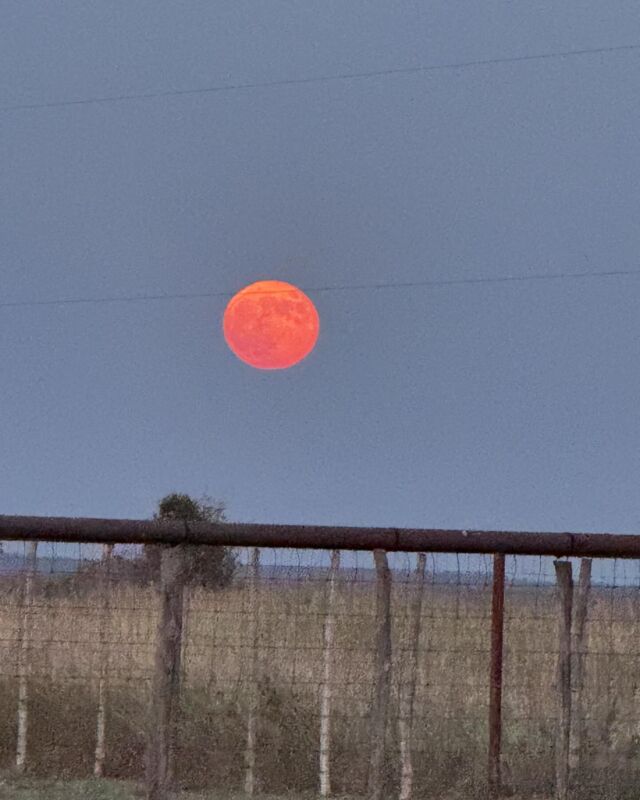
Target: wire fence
322, 672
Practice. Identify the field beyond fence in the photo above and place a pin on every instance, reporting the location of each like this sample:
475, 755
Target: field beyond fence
292, 646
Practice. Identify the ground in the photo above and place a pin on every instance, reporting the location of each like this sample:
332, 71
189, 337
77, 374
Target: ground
28, 789
110, 790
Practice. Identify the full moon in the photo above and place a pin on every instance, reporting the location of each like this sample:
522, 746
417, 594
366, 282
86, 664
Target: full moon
271, 325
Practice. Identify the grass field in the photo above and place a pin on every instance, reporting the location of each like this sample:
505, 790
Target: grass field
108, 790
450, 736
69, 790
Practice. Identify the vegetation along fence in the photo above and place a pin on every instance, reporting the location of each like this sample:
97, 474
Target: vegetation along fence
320, 661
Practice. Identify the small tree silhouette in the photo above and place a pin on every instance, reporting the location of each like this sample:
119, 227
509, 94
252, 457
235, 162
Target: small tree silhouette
205, 566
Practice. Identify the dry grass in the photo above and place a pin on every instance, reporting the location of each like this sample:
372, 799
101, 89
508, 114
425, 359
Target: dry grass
111, 790
452, 693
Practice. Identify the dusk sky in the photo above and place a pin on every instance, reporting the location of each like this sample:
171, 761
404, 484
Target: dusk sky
482, 405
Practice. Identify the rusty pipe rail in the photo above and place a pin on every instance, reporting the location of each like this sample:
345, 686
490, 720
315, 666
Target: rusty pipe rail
126, 531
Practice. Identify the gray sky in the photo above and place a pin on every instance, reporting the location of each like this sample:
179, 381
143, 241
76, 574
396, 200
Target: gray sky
506, 405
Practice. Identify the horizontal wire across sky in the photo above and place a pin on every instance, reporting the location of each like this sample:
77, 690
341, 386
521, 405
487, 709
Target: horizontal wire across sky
345, 76
329, 288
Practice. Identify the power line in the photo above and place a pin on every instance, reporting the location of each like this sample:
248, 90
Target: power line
345, 76
327, 288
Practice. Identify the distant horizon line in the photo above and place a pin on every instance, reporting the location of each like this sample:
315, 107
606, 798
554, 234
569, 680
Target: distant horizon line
17, 564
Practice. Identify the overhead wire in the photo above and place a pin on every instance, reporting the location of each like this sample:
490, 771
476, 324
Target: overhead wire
548, 276
321, 79
344, 76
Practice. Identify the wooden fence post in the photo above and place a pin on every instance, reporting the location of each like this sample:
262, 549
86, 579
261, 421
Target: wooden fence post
565, 586
250, 749
407, 696
187, 602
495, 677
24, 655
380, 706
577, 667
327, 678
166, 677
101, 725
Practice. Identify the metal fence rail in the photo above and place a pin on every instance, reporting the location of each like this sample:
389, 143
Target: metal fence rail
319, 668
318, 537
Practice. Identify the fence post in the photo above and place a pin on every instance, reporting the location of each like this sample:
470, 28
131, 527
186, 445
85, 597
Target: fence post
166, 677
105, 574
495, 678
565, 585
407, 697
250, 750
187, 600
24, 656
327, 679
577, 668
382, 689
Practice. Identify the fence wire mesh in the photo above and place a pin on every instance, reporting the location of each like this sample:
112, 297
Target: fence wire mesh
284, 684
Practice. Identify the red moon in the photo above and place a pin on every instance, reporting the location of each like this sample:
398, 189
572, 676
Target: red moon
271, 325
